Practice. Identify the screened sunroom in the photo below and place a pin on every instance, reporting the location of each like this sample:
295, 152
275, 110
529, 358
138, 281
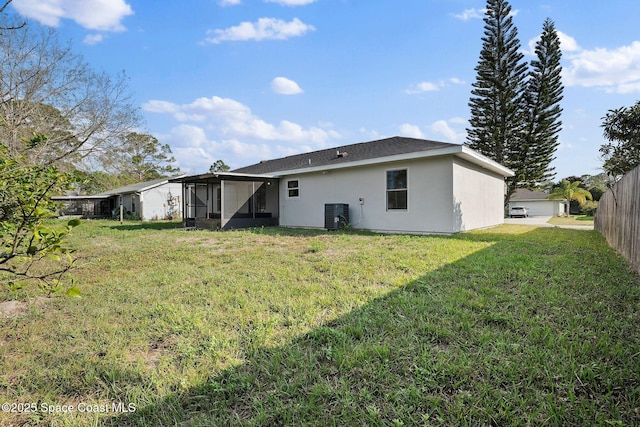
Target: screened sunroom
226, 200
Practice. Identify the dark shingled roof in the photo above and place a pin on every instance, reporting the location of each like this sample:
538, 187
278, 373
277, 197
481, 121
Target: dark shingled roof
349, 153
522, 194
138, 186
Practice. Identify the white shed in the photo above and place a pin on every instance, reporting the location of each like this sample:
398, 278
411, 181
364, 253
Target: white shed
537, 202
151, 200
148, 200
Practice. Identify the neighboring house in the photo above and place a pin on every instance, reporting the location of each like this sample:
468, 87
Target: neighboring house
391, 185
149, 200
537, 202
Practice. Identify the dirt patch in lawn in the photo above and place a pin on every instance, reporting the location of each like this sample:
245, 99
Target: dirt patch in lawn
15, 308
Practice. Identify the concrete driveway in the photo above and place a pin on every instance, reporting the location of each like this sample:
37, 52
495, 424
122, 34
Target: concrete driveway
541, 221
538, 221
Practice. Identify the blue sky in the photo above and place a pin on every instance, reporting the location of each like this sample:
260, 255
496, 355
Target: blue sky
249, 80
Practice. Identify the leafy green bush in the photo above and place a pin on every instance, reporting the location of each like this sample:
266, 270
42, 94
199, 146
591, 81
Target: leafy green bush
31, 250
589, 207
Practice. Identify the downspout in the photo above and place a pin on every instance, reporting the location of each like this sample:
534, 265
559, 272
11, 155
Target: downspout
185, 212
222, 219
141, 210
121, 209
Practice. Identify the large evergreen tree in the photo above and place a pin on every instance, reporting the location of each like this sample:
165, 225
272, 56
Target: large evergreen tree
515, 112
497, 121
542, 102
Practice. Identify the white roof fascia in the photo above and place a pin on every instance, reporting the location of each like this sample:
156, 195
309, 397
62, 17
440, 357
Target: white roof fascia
241, 175
70, 198
140, 190
458, 150
158, 184
485, 162
538, 200
223, 175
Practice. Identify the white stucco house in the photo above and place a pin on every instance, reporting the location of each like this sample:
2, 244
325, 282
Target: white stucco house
390, 185
148, 200
537, 202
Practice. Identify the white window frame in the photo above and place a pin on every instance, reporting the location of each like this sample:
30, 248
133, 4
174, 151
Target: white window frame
387, 190
291, 188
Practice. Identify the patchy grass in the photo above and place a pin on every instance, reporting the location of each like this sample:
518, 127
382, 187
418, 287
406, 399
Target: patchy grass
509, 326
571, 220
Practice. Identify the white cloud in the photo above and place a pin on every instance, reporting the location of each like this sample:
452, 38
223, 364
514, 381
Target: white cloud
451, 130
458, 121
233, 119
92, 39
291, 2
468, 14
229, 2
371, 134
614, 70
411, 131
195, 151
446, 128
628, 88
101, 15
432, 87
423, 87
284, 86
567, 44
263, 29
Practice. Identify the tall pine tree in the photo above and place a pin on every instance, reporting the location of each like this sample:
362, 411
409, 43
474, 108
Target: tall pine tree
497, 120
542, 102
515, 113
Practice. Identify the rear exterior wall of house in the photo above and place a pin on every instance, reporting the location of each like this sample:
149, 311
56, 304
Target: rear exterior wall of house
443, 195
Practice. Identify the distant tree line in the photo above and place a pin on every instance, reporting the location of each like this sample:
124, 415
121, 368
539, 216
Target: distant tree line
63, 125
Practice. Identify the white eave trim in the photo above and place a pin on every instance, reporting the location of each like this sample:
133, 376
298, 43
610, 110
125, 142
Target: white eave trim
461, 151
485, 162
537, 200
221, 175
241, 175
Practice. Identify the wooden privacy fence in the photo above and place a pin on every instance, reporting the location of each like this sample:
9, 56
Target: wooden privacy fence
618, 217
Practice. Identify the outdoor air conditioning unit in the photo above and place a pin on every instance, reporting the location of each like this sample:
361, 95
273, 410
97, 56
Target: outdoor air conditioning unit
336, 215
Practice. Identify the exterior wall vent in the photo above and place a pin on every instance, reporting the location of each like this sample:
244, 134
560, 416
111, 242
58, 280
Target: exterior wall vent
336, 215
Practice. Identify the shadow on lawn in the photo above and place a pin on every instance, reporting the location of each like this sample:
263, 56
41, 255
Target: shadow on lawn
146, 225
307, 232
500, 337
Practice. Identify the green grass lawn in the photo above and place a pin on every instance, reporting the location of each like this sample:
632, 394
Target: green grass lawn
571, 220
509, 326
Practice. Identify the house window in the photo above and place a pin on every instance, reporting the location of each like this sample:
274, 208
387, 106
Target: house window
293, 189
397, 189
